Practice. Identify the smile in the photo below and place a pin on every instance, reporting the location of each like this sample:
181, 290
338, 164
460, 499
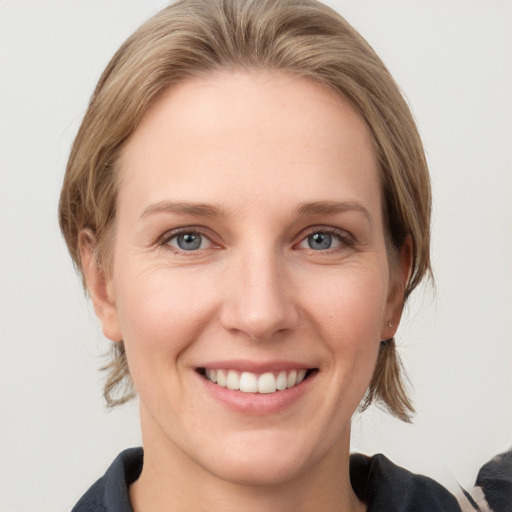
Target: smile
248, 382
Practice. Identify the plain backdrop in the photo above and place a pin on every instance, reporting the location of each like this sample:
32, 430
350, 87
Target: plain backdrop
453, 60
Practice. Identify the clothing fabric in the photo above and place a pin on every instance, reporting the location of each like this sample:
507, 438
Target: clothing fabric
385, 487
379, 483
110, 492
495, 480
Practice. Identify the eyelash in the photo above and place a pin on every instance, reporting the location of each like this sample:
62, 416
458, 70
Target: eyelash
345, 239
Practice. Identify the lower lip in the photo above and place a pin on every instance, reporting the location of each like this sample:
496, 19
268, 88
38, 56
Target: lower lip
258, 403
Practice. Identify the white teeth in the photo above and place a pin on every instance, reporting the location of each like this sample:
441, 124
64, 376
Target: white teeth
281, 381
249, 382
211, 374
292, 379
221, 378
233, 380
267, 383
300, 376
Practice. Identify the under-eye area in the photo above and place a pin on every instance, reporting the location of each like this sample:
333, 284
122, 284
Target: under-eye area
248, 382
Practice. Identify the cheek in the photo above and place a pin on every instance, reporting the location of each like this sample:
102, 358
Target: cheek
161, 313
347, 311
350, 302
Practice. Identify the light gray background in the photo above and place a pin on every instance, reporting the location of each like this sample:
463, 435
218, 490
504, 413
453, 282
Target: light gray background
452, 58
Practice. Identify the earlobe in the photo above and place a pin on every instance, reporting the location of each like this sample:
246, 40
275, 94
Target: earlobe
98, 286
400, 276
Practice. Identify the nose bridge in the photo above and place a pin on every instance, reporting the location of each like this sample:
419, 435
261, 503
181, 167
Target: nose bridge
260, 301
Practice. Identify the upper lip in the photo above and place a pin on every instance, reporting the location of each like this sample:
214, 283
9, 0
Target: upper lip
256, 366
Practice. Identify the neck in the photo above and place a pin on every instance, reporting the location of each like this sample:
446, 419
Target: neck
171, 480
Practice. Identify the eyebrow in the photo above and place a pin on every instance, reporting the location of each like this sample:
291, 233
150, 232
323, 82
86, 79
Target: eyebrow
181, 208
332, 208
211, 210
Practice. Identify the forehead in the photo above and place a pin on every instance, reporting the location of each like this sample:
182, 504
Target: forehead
230, 133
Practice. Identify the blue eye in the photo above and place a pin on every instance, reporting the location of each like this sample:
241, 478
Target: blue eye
189, 241
323, 240
319, 241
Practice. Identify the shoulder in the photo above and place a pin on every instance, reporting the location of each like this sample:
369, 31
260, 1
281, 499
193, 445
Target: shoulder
384, 486
110, 492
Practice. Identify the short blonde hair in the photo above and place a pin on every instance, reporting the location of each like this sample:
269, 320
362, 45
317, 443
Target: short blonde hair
301, 37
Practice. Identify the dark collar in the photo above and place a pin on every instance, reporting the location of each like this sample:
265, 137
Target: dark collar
385, 487
110, 493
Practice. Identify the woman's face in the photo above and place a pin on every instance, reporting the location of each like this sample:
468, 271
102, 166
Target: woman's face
249, 249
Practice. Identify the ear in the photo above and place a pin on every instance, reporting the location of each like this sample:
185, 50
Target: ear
400, 276
99, 286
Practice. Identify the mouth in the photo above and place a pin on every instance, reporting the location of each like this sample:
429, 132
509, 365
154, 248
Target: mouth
249, 382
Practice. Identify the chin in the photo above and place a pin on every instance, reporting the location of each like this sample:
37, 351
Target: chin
266, 460
266, 472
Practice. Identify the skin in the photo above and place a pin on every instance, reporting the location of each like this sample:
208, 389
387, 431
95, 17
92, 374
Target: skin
256, 147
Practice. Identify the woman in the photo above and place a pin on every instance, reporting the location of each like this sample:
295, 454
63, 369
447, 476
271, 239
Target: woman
248, 202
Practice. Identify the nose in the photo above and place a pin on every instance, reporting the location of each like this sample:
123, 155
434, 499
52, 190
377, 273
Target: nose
260, 299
